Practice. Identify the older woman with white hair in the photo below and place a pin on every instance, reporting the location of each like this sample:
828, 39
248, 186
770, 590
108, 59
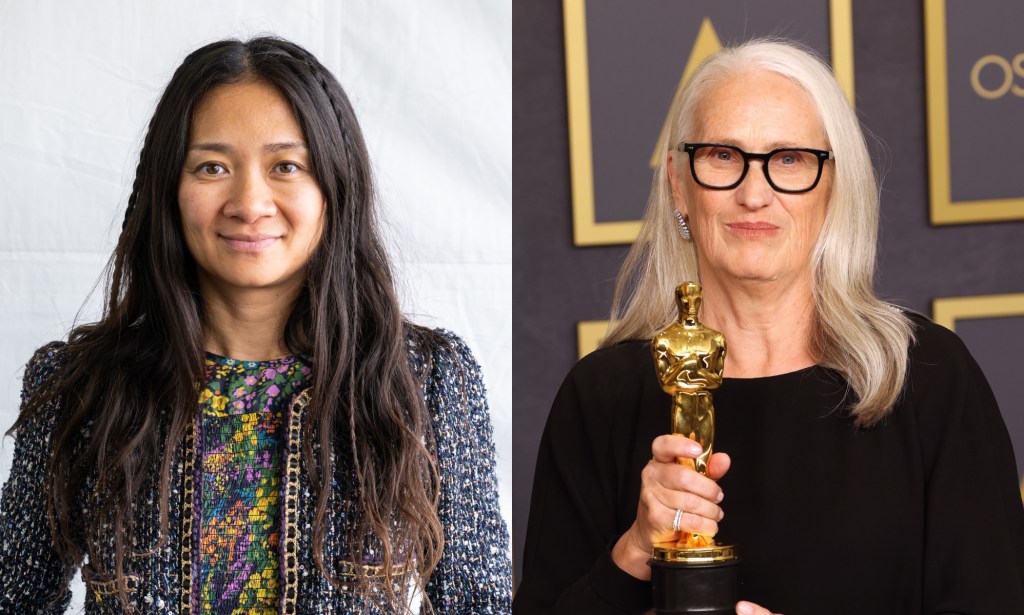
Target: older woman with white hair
865, 467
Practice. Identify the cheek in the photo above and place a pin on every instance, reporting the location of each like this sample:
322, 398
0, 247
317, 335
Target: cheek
311, 234
191, 221
321, 220
306, 218
311, 214
195, 215
702, 210
813, 220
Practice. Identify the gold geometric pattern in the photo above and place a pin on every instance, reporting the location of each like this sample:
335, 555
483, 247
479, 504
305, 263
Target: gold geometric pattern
586, 230
943, 209
947, 310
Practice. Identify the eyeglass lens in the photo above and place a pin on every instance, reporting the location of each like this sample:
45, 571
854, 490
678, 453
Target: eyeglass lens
720, 166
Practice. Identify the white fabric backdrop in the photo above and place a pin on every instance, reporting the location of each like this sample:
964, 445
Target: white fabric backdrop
432, 87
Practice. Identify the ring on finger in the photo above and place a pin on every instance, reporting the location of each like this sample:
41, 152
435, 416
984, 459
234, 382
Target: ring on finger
677, 519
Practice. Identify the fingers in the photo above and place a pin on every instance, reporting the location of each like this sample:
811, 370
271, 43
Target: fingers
699, 514
668, 448
718, 465
658, 507
749, 608
692, 523
667, 487
671, 475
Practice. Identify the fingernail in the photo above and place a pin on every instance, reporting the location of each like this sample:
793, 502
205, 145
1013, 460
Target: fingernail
744, 609
721, 515
696, 449
721, 496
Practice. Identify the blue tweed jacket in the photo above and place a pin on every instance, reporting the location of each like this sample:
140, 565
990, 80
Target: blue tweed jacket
473, 575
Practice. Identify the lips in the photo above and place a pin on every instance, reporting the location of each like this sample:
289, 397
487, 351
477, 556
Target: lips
244, 242
753, 229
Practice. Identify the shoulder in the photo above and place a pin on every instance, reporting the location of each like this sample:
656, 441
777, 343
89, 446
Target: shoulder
944, 382
455, 396
605, 387
39, 407
935, 347
450, 377
614, 367
46, 362
439, 354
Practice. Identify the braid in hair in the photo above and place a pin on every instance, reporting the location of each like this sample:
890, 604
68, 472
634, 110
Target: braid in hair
383, 398
117, 278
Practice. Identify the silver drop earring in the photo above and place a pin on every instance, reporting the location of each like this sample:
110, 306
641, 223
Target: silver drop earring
684, 229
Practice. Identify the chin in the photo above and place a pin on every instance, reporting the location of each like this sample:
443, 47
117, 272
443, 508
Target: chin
752, 272
254, 281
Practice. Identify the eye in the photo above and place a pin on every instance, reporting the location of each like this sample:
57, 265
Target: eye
211, 168
286, 168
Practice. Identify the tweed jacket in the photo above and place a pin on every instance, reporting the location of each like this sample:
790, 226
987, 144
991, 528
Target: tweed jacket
473, 575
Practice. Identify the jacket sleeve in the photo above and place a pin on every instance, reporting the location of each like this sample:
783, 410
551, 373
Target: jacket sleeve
474, 574
573, 523
32, 578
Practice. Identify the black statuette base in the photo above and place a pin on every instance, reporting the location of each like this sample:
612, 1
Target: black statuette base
707, 589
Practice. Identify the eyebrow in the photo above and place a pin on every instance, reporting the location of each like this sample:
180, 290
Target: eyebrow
224, 148
775, 145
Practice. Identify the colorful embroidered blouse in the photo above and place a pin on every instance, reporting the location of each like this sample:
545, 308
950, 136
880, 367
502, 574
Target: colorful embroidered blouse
238, 479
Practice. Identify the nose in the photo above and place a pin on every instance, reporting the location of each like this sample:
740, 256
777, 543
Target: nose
754, 191
251, 197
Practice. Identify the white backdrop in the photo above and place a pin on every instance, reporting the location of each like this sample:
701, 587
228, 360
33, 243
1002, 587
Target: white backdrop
432, 87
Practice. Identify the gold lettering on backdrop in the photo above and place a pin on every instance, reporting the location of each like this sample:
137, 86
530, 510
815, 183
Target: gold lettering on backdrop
1008, 70
944, 209
706, 44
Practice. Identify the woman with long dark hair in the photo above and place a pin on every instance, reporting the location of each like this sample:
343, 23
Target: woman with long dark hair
339, 458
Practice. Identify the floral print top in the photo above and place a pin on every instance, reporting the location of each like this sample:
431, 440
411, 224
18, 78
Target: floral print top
238, 479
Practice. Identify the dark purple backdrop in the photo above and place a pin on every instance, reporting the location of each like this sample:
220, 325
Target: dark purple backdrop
555, 284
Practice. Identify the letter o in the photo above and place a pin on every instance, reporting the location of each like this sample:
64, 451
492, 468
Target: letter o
1007, 79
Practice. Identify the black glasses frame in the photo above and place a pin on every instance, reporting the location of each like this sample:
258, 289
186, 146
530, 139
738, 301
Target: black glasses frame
821, 154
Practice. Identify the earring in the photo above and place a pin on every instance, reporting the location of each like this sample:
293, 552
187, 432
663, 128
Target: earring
684, 229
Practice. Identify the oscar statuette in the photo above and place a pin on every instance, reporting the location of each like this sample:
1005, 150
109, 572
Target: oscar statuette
693, 574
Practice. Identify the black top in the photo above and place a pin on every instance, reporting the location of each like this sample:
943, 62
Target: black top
921, 514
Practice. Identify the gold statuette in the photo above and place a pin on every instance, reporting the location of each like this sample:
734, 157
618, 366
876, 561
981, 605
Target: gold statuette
689, 358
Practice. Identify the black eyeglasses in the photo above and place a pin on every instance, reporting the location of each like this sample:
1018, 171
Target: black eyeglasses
723, 167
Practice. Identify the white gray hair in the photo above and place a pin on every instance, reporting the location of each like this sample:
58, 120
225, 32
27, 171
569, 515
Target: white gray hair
856, 334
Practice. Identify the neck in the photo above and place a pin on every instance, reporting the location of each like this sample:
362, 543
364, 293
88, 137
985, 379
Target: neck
246, 324
768, 325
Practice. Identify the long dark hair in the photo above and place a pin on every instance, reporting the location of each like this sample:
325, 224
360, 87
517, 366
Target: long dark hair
130, 379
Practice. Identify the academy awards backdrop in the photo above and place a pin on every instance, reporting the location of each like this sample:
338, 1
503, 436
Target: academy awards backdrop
939, 83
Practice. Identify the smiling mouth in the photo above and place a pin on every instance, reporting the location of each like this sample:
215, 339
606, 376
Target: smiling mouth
249, 243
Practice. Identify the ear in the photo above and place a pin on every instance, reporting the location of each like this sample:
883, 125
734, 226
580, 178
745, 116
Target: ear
674, 181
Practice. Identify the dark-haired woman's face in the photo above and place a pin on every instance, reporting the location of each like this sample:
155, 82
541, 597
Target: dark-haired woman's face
251, 211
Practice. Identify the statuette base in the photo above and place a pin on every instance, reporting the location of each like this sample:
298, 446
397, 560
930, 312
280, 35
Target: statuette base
690, 581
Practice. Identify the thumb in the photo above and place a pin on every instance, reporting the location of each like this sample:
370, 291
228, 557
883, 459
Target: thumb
718, 465
749, 608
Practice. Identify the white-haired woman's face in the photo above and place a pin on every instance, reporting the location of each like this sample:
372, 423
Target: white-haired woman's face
753, 232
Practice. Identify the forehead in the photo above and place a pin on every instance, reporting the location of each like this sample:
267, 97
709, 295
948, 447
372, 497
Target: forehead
758, 109
251, 107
